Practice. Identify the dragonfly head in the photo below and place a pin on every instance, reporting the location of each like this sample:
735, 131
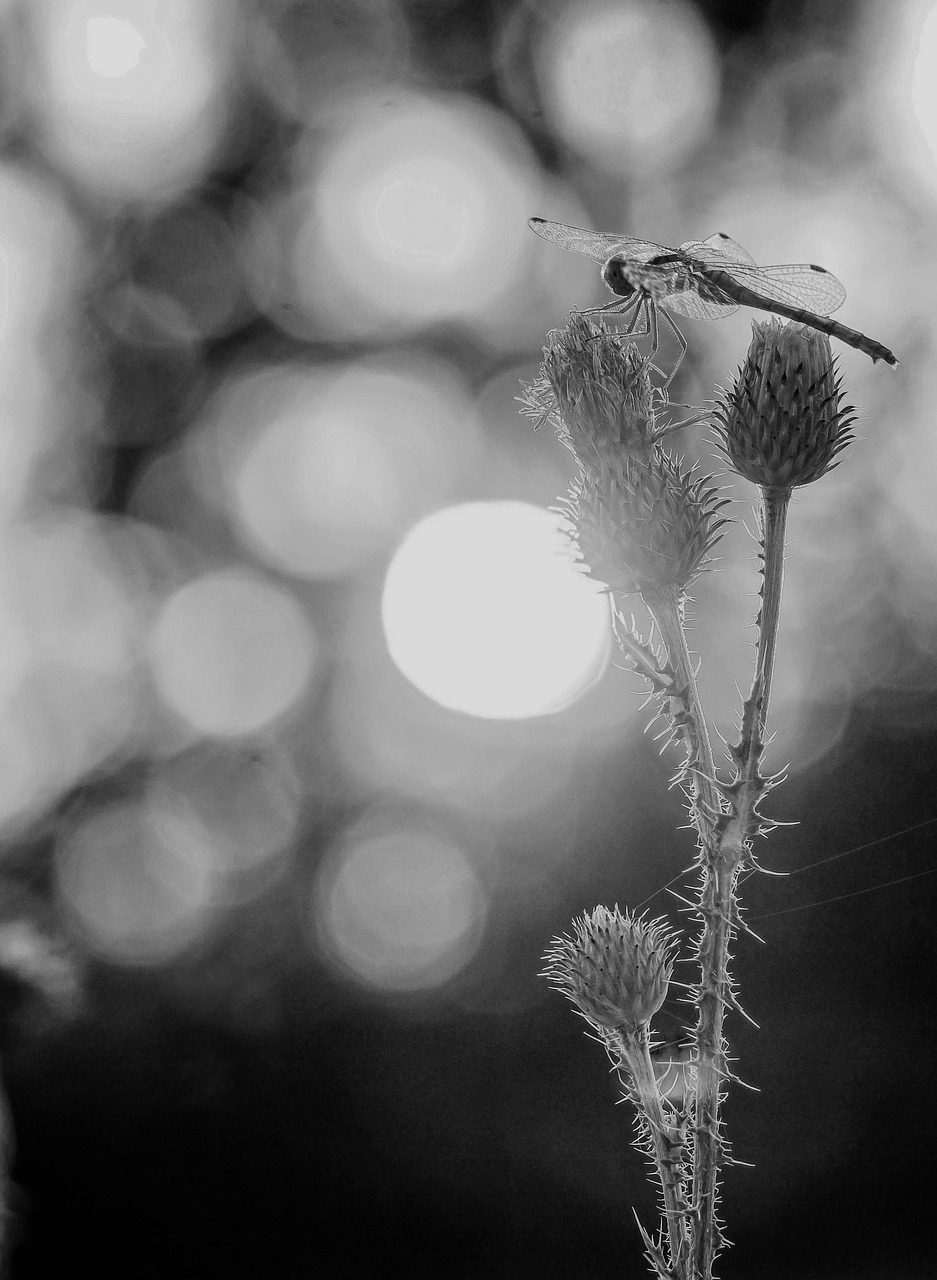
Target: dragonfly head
615, 273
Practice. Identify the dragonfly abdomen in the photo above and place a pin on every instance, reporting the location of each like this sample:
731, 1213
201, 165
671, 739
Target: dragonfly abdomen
749, 298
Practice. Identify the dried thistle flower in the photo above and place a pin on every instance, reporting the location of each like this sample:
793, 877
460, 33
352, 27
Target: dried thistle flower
595, 389
642, 525
615, 968
781, 425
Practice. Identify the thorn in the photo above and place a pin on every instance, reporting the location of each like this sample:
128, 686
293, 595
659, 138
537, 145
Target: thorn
740, 924
730, 1075
734, 1004
693, 906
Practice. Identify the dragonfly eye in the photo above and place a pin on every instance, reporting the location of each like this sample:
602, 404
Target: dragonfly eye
614, 277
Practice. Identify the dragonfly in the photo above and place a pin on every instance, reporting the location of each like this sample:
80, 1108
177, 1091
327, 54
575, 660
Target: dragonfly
703, 280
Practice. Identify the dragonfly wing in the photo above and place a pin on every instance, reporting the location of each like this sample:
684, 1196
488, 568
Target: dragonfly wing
803, 285
720, 245
595, 244
695, 307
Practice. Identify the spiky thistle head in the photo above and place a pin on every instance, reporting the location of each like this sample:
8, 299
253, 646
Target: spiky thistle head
614, 967
644, 524
595, 389
780, 424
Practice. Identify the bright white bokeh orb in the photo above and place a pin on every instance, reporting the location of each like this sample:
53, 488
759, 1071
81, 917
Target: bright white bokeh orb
113, 46
484, 614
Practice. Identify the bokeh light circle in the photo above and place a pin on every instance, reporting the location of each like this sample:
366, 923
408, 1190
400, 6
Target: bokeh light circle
323, 467
484, 615
399, 909
246, 796
138, 881
130, 101
231, 652
630, 83
419, 212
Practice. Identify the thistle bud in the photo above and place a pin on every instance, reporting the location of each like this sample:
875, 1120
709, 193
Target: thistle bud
614, 968
642, 525
780, 425
595, 389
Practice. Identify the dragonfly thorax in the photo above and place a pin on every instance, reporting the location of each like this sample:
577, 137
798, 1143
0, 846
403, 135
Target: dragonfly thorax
656, 280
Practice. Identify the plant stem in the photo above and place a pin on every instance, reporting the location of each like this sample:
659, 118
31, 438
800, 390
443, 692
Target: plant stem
716, 900
718, 905
665, 1142
666, 607
775, 503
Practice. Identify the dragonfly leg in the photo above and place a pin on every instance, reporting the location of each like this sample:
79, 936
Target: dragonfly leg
683, 348
630, 310
649, 307
642, 321
615, 305
653, 328
692, 421
640, 308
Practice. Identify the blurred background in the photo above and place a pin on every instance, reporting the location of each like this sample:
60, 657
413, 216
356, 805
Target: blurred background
310, 741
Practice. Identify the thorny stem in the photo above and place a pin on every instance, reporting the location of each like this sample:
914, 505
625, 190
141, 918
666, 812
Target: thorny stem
644, 662
720, 863
775, 503
716, 900
665, 1141
718, 905
666, 606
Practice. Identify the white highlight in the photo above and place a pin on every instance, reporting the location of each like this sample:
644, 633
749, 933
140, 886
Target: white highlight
484, 615
113, 46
